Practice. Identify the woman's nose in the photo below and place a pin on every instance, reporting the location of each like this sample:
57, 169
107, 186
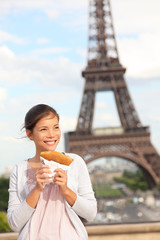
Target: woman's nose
51, 133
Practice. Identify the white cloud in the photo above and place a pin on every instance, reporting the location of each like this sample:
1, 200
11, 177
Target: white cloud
74, 4
15, 103
139, 15
68, 123
7, 37
3, 97
105, 120
51, 8
146, 102
13, 139
138, 36
3, 126
6, 54
155, 118
41, 4
20, 70
50, 50
135, 17
82, 53
16, 4
43, 40
101, 105
29, 99
141, 55
78, 20
52, 14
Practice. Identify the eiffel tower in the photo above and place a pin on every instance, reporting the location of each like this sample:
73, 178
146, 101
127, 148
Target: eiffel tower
104, 72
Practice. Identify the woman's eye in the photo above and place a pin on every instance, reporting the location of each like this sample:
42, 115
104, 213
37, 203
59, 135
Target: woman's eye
43, 129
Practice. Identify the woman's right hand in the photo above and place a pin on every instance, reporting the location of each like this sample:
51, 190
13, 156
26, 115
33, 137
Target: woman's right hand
42, 177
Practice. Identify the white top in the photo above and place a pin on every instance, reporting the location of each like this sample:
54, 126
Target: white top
50, 219
19, 212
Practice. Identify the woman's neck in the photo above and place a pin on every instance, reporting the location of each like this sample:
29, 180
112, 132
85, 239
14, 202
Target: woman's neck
35, 162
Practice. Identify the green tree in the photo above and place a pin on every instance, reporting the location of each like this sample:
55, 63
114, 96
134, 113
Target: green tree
4, 185
105, 190
133, 180
4, 226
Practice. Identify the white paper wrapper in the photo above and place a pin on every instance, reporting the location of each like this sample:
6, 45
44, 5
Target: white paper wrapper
53, 165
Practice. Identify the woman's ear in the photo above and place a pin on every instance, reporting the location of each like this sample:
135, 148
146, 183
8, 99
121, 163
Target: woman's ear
29, 134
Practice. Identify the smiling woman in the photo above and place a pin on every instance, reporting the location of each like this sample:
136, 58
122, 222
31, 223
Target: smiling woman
43, 128
35, 198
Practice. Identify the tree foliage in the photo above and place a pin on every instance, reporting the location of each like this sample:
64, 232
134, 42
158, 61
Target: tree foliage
4, 185
133, 180
105, 190
4, 226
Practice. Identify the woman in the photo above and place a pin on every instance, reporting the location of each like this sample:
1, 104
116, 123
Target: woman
44, 209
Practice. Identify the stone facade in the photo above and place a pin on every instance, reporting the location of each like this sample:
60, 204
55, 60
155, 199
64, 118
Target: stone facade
140, 231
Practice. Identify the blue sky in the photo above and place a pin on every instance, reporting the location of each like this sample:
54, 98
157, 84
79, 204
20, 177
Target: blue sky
43, 49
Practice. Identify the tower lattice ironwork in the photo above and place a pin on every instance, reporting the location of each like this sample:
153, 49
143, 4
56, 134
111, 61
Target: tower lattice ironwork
104, 72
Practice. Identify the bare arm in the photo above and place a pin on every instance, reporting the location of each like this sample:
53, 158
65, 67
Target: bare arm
60, 179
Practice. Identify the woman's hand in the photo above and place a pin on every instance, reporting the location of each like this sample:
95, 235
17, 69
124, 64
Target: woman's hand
60, 178
43, 177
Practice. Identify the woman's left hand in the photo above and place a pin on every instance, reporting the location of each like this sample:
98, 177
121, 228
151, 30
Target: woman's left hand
60, 178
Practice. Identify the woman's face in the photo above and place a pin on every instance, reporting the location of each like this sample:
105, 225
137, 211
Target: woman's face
46, 134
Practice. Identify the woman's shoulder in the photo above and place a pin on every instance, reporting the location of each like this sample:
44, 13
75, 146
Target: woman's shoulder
21, 164
74, 156
78, 160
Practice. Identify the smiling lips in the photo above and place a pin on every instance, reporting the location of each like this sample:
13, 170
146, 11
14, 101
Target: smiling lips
50, 143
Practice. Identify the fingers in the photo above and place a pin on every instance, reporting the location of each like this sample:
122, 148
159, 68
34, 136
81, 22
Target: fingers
60, 170
44, 169
42, 175
60, 174
60, 178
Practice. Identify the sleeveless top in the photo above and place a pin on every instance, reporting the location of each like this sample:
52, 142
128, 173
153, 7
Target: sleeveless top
50, 220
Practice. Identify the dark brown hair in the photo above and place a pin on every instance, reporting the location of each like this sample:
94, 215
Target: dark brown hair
36, 113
